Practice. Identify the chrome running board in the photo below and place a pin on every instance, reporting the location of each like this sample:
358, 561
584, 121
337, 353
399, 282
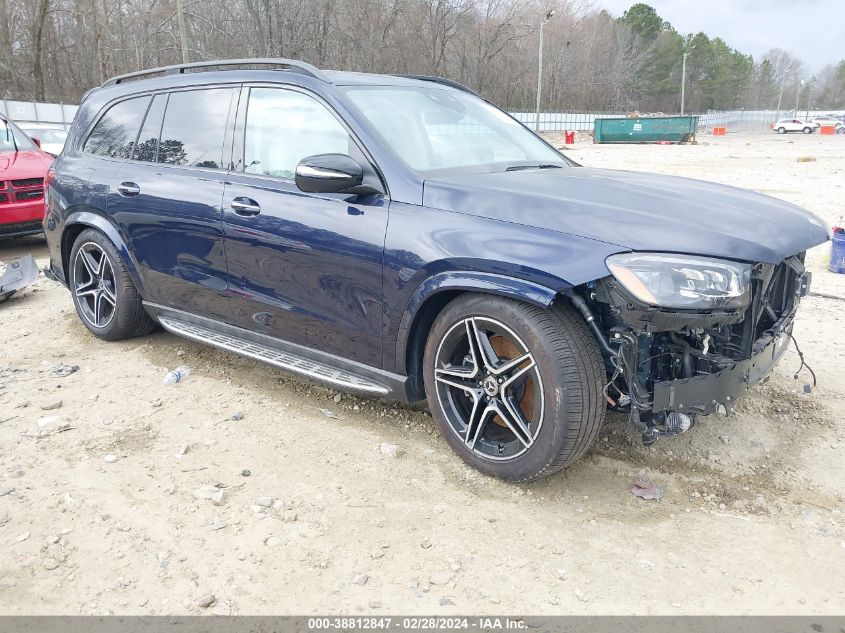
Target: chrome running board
284, 360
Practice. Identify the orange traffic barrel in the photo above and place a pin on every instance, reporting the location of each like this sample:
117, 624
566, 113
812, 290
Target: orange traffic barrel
719, 131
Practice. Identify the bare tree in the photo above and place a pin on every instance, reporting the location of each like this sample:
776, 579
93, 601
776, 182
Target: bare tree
58, 49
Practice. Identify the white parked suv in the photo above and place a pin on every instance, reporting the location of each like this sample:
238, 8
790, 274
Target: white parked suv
51, 138
794, 125
832, 121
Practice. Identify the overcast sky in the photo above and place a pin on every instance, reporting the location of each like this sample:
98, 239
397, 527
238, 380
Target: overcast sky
812, 30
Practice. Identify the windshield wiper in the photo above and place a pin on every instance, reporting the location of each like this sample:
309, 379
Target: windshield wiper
542, 166
10, 133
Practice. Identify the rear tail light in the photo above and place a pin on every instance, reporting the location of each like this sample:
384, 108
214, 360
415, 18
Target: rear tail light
47, 180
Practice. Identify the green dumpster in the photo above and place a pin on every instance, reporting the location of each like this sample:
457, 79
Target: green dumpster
671, 129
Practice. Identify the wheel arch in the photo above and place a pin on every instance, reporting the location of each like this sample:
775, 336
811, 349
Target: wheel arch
80, 220
435, 293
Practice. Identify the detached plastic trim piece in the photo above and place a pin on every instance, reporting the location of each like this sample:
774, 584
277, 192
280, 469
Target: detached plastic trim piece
19, 274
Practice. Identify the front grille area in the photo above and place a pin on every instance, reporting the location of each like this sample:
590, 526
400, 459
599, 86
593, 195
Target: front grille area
21, 228
774, 295
23, 196
28, 182
21, 190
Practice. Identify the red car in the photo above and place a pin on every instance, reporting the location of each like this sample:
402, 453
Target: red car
23, 167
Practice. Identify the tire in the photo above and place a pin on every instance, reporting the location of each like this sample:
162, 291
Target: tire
840, 130
781, 130
105, 297
808, 130
478, 411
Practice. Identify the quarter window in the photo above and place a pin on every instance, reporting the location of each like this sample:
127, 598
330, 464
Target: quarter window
194, 128
115, 133
285, 126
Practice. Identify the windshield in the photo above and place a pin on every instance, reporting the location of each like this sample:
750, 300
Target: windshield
432, 129
47, 135
11, 138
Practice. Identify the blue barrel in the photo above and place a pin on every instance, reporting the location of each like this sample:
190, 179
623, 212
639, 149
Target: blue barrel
837, 252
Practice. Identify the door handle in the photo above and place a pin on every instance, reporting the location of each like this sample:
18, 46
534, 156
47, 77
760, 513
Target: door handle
245, 206
128, 189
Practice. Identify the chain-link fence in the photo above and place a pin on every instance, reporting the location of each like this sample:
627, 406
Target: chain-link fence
731, 119
31, 112
62, 114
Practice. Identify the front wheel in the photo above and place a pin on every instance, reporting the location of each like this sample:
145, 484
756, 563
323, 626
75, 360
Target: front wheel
781, 130
515, 390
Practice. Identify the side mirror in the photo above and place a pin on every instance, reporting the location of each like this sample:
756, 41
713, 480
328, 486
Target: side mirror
329, 173
36, 140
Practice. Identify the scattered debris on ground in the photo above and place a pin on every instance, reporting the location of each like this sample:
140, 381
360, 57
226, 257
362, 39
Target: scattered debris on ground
645, 489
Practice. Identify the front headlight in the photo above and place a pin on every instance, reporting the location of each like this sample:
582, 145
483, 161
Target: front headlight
682, 281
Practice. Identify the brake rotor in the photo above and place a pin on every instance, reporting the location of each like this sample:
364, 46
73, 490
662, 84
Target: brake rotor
507, 350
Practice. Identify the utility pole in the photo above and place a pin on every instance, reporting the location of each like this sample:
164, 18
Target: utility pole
687, 50
797, 97
183, 32
549, 16
809, 95
782, 82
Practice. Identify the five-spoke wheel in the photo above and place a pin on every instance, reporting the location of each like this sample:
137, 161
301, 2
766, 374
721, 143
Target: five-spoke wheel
106, 299
489, 388
515, 389
93, 285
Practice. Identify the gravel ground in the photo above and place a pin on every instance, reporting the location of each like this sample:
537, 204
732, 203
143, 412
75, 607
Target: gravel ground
246, 490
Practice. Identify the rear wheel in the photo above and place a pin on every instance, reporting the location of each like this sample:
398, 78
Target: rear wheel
808, 130
106, 300
515, 390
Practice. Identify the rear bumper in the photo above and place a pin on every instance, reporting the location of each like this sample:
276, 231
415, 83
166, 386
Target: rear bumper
54, 275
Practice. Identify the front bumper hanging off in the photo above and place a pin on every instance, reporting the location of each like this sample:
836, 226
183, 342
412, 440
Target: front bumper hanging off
704, 394
666, 367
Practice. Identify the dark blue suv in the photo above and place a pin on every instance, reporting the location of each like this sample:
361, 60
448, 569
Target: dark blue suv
402, 237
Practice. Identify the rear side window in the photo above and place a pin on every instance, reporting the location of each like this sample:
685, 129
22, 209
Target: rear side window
147, 146
194, 128
115, 133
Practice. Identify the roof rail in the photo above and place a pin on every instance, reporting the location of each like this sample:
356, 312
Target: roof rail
441, 80
178, 69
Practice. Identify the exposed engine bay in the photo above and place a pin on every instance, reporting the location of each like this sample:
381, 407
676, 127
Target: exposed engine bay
667, 365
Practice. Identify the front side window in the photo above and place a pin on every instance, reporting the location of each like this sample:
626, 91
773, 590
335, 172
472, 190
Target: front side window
115, 133
194, 128
432, 129
285, 126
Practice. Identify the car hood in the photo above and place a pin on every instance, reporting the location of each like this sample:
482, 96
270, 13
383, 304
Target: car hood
636, 211
27, 164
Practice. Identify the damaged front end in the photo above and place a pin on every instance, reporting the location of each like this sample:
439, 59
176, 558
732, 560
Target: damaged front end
685, 336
